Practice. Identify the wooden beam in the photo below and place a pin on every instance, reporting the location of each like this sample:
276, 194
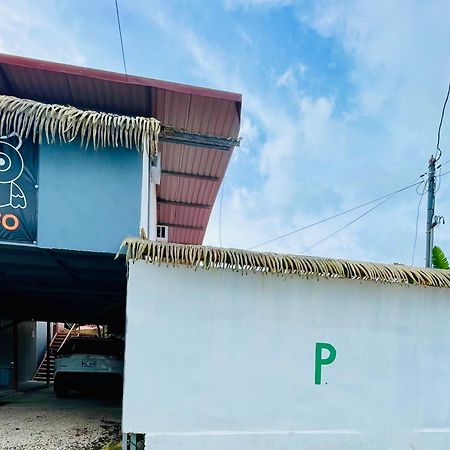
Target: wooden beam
175, 136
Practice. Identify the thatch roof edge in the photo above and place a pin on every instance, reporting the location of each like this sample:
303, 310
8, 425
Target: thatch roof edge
244, 261
29, 118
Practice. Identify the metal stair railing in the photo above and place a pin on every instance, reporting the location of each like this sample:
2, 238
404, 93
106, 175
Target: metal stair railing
68, 334
44, 359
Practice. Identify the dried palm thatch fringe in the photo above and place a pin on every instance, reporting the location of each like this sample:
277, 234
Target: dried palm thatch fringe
67, 123
286, 265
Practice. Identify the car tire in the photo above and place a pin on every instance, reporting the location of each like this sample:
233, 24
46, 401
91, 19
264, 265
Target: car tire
61, 389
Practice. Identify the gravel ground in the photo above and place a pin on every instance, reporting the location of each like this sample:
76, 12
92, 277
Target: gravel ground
38, 420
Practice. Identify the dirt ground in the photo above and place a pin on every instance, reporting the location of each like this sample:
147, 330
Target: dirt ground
38, 420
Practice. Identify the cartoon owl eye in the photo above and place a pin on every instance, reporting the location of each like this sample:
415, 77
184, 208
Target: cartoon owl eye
5, 162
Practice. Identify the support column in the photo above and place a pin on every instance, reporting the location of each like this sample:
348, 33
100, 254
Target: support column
151, 175
145, 190
152, 212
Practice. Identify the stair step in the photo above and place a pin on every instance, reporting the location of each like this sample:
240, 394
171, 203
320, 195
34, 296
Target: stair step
41, 373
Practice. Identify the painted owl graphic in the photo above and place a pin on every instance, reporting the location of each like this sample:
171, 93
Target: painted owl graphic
11, 168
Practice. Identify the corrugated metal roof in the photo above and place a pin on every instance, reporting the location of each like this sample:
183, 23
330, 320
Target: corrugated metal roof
191, 108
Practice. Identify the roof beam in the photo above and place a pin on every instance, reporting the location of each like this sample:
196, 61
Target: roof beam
190, 175
182, 227
175, 136
183, 204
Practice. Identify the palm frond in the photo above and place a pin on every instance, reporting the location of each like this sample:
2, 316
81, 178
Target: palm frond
243, 261
59, 123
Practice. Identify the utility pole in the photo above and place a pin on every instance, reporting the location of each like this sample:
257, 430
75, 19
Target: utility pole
430, 210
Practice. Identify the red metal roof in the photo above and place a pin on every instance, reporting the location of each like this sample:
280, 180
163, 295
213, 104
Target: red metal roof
191, 108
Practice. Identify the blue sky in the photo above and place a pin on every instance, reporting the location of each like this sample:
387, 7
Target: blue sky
341, 103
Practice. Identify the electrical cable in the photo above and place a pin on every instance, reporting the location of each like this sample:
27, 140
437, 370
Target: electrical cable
439, 179
425, 188
445, 173
335, 215
371, 209
346, 225
438, 149
121, 41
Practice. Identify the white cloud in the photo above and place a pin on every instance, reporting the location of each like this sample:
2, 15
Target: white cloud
286, 78
310, 160
34, 29
257, 4
245, 37
290, 77
284, 142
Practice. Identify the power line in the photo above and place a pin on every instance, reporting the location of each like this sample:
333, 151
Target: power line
336, 215
347, 224
371, 209
439, 178
445, 173
438, 149
121, 41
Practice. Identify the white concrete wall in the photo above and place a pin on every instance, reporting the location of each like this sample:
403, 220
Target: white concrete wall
220, 361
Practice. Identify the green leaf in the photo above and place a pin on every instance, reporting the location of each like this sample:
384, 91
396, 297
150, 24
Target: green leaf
439, 259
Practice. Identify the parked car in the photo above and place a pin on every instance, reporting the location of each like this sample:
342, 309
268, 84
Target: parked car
85, 363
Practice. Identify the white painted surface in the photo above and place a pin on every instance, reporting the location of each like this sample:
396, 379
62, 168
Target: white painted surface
153, 212
145, 191
149, 212
220, 361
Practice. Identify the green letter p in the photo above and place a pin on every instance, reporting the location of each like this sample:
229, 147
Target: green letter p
321, 361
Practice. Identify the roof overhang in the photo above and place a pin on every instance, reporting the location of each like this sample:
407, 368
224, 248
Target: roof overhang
192, 167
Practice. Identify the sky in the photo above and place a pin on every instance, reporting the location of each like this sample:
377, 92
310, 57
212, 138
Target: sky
341, 105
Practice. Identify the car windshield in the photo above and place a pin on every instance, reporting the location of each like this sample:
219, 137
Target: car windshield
106, 347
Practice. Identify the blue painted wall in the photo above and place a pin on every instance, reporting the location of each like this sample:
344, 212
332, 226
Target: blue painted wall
88, 200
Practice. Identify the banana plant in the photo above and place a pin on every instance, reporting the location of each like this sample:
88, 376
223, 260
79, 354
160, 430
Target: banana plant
439, 259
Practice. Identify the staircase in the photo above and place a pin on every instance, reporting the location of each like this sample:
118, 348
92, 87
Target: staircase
57, 341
